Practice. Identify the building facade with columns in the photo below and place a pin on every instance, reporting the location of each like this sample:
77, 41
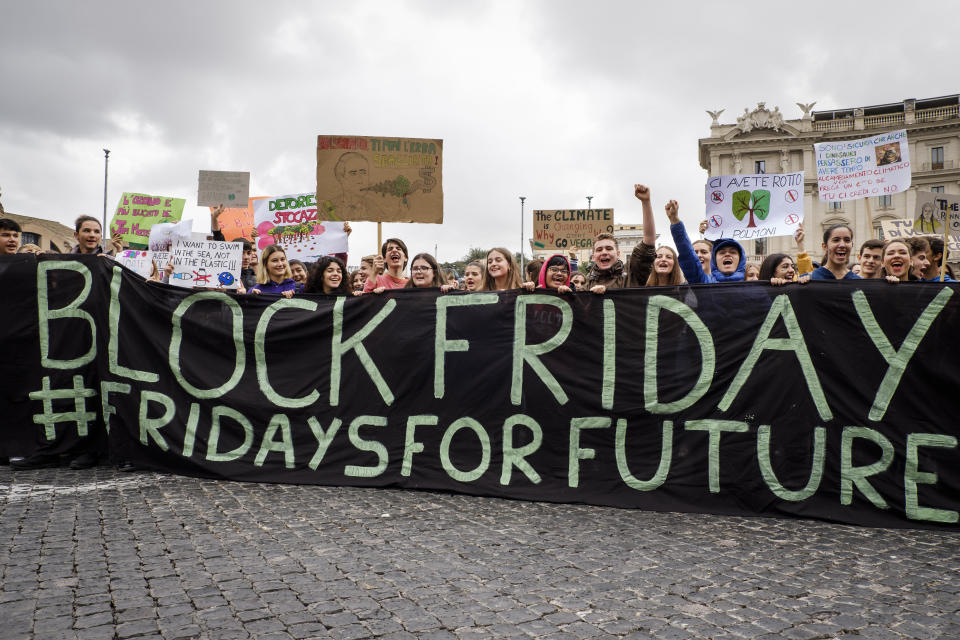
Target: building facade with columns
762, 141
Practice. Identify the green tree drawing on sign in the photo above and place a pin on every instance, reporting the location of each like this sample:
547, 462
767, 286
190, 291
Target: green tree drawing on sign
756, 203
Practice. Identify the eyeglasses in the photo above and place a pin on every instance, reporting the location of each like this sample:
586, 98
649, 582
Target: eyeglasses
420, 269
557, 270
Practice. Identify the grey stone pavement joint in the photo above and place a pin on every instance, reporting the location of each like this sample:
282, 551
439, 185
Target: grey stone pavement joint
103, 555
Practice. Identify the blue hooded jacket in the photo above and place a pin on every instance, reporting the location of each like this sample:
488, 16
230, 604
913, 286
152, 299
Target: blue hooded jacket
690, 263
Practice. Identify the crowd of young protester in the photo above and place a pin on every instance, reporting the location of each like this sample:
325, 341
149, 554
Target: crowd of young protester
697, 262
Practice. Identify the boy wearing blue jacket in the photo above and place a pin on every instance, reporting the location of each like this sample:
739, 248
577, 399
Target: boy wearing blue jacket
726, 261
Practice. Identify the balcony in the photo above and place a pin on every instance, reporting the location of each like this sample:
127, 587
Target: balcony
845, 124
936, 166
939, 113
883, 120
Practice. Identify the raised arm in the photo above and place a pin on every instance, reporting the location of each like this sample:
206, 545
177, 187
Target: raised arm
642, 192
689, 262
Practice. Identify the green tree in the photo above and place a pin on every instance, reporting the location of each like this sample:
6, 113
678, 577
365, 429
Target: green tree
755, 203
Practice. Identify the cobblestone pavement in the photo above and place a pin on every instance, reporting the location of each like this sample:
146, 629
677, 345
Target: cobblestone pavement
100, 554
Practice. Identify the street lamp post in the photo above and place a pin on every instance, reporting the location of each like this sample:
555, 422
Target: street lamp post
522, 198
106, 161
589, 199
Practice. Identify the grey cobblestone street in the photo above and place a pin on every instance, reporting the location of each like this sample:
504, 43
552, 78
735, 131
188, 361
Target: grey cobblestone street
99, 554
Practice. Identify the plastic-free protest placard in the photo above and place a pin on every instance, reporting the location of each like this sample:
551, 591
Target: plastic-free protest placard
291, 221
854, 169
754, 206
934, 210
569, 229
137, 260
206, 263
229, 188
379, 179
137, 212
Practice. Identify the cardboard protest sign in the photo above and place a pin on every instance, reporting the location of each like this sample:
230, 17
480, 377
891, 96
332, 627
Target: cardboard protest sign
759, 205
163, 235
569, 229
137, 260
291, 221
237, 222
206, 263
379, 179
905, 228
222, 187
137, 212
934, 210
854, 169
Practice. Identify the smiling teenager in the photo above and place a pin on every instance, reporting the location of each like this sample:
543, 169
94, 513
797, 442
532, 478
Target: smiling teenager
666, 269
502, 271
837, 246
424, 273
897, 261
388, 267
779, 269
328, 276
273, 273
870, 259
88, 234
607, 270
555, 274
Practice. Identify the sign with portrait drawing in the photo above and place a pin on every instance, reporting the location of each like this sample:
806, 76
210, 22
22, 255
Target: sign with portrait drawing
379, 179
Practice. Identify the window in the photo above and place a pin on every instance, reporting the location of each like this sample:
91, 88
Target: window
760, 166
884, 202
760, 246
939, 189
878, 232
936, 158
836, 206
30, 238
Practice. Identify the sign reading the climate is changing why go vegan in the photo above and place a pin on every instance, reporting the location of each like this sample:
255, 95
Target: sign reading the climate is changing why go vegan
760, 205
291, 222
206, 263
379, 179
854, 169
137, 212
570, 228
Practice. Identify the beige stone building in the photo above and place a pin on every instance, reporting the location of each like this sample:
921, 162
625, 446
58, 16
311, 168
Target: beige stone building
46, 234
763, 141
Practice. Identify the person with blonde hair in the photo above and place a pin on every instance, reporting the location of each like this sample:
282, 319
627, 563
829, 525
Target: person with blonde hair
666, 270
273, 273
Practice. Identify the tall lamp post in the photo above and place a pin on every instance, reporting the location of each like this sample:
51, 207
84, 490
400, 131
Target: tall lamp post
589, 199
522, 198
106, 162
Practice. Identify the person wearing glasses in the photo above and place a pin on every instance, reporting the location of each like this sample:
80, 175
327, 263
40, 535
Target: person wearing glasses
424, 273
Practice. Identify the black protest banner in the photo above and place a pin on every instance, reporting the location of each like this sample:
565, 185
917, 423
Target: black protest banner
826, 400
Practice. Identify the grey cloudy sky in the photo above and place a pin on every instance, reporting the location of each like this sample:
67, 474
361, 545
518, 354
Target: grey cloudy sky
553, 100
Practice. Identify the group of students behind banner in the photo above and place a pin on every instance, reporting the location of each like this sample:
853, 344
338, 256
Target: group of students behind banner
695, 262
